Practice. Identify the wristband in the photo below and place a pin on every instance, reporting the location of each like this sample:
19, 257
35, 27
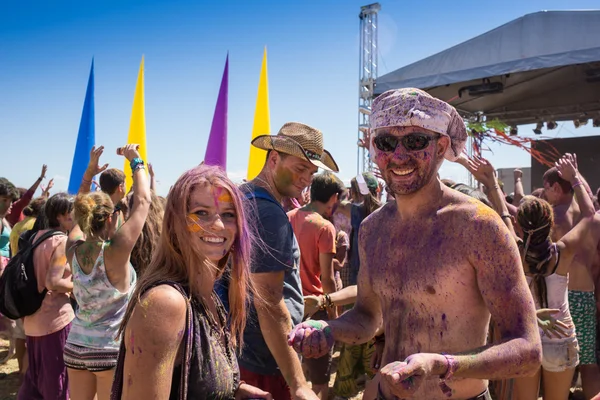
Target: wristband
135, 163
452, 366
578, 183
506, 216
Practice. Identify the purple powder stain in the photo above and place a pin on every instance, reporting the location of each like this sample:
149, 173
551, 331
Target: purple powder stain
132, 343
443, 317
129, 380
139, 350
180, 333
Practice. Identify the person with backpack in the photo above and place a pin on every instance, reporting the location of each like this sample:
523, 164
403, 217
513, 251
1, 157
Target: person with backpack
47, 328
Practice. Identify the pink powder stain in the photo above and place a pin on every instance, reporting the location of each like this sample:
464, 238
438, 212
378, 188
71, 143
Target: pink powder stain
132, 343
129, 380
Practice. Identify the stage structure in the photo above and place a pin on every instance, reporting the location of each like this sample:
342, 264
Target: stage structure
368, 59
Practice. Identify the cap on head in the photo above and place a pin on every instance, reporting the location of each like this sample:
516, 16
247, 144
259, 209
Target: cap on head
299, 140
414, 107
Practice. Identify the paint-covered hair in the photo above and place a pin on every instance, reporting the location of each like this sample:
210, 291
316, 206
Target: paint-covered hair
178, 256
536, 219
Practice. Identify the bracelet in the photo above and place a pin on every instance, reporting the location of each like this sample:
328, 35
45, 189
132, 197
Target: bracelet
452, 366
135, 162
578, 183
328, 301
85, 180
380, 395
240, 385
506, 216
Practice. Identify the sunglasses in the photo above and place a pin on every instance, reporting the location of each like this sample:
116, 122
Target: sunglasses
411, 142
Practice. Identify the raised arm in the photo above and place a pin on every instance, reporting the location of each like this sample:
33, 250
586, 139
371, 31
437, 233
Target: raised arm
567, 169
519, 191
92, 170
152, 178
123, 241
153, 337
18, 206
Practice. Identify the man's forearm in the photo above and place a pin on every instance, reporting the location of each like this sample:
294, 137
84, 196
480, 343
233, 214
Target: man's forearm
512, 359
355, 326
276, 323
86, 183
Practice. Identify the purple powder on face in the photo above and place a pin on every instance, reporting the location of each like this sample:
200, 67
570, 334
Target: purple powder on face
443, 317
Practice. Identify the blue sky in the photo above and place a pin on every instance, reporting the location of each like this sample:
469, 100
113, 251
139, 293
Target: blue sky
46, 49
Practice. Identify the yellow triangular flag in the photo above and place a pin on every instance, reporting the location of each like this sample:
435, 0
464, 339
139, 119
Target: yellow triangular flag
137, 126
262, 125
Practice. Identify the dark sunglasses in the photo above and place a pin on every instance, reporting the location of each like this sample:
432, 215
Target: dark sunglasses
411, 142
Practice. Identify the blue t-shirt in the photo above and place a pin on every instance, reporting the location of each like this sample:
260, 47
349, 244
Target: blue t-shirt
281, 254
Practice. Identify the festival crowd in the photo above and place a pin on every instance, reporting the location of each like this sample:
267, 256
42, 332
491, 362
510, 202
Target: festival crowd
225, 291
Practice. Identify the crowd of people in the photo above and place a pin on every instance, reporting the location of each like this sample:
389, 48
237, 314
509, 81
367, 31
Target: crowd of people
430, 289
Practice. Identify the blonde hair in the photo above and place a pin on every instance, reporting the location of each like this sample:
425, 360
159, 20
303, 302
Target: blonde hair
92, 210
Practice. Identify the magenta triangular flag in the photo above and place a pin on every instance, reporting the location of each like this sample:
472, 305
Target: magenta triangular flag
216, 151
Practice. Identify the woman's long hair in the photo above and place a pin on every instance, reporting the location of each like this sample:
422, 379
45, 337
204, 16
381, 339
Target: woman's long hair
536, 219
143, 251
177, 254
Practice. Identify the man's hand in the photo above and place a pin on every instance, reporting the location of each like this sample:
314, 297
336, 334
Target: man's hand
567, 168
312, 339
304, 393
312, 304
403, 379
482, 170
44, 170
365, 142
150, 170
550, 326
518, 174
94, 167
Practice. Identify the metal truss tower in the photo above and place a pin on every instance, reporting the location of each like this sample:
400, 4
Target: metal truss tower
366, 77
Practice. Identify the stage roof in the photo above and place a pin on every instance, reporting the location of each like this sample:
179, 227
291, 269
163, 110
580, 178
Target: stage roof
548, 63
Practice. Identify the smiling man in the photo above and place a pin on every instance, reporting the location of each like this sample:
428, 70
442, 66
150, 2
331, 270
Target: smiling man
293, 157
435, 265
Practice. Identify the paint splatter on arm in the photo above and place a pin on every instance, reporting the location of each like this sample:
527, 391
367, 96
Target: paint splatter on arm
495, 257
57, 277
153, 338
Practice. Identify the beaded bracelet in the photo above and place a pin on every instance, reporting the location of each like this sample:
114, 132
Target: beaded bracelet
578, 183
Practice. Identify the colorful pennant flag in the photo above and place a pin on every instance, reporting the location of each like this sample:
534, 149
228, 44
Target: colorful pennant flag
216, 151
137, 125
85, 138
262, 123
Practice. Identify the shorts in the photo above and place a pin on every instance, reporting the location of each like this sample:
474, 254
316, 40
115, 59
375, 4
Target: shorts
318, 370
583, 311
93, 360
274, 384
560, 355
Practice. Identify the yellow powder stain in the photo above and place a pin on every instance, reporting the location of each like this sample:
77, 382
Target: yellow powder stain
193, 224
225, 197
484, 211
62, 260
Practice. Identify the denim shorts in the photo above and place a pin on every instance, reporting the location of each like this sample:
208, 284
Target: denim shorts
560, 355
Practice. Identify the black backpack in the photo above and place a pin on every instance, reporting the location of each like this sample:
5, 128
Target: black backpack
19, 295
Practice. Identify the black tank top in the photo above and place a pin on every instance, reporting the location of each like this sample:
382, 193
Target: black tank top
212, 371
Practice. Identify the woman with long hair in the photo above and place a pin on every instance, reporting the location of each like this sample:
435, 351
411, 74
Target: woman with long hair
177, 341
47, 329
103, 281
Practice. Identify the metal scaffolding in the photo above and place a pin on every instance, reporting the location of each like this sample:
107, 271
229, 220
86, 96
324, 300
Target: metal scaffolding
366, 77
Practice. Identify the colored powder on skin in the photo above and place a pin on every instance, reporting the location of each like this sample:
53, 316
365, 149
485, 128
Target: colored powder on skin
225, 197
62, 260
132, 343
139, 350
129, 380
193, 225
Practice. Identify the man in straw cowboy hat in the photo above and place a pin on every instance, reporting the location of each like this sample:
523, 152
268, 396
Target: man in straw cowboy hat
293, 156
435, 265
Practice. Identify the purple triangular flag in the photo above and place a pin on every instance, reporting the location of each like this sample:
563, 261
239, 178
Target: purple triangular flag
216, 151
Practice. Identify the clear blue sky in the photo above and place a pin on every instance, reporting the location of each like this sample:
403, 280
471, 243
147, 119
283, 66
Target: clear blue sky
46, 49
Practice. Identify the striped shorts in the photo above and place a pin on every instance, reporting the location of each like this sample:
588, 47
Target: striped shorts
93, 360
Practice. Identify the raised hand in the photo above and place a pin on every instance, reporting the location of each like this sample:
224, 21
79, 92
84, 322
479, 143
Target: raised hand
44, 170
365, 142
312, 339
518, 174
94, 167
129, 151
150, 170
567, 167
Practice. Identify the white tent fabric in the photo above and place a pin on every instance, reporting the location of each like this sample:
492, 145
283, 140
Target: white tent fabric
548, 63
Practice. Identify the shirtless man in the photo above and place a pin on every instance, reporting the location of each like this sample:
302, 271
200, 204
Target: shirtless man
582, 304
435, 265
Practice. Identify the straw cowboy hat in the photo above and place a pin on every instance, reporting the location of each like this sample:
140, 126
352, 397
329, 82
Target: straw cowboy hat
301, 141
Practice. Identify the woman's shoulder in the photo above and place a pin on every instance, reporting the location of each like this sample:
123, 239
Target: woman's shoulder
159, 311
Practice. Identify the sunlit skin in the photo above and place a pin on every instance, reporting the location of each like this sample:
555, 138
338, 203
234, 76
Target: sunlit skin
212, 218
434, 266
291, 175
5, 205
